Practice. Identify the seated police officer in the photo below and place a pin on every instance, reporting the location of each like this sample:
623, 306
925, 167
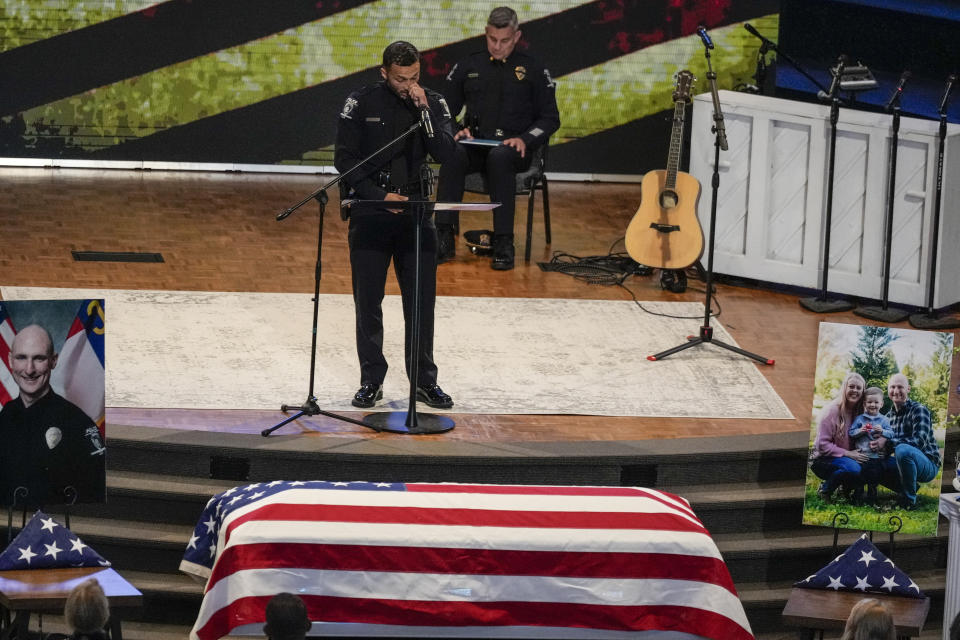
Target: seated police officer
509, 97
369, 119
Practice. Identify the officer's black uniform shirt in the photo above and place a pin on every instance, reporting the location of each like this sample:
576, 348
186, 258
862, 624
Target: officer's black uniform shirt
372, 117
513, 98
48, 446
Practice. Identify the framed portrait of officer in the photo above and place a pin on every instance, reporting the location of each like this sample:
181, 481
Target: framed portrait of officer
52, 386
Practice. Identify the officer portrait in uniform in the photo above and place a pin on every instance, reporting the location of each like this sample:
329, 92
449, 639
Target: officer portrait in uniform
50, 446
510, 97
369, 119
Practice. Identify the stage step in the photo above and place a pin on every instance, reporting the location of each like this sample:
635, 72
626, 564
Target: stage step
651, 463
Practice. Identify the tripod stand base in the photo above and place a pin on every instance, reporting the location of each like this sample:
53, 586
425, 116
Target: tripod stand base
881, 314
308, 408
933, 321
397, 422
824, 305
706, 337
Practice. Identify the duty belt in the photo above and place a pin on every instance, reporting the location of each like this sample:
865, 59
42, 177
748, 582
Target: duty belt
409, 189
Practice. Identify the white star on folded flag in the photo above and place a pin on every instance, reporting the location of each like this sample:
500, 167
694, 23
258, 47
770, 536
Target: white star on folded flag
61, 548
864, 569
26, 554
52, 550
434, 559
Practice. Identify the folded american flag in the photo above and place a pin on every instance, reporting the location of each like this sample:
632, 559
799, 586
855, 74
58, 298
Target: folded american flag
468, 560
46, 544
861, 567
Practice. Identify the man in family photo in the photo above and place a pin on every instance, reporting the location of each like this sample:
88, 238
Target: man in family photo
916, 454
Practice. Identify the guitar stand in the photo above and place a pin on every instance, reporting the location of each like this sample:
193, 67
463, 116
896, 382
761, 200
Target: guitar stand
706, 331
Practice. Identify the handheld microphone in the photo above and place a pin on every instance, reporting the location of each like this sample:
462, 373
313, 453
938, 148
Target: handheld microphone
951, 80
702, 32
895, 98
425, 121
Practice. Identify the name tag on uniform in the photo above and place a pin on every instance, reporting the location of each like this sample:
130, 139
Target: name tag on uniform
373, 119
473, 74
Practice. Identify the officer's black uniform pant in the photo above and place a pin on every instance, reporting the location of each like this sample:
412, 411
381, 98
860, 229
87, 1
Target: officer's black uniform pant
375, 239
501, 164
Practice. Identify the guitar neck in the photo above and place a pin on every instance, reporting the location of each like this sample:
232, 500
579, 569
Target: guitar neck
676, 142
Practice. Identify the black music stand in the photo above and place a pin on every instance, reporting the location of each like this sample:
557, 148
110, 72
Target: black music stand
884, 313
719, 142
310, 407
409, 421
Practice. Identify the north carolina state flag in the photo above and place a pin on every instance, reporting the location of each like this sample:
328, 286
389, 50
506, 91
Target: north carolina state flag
79, 374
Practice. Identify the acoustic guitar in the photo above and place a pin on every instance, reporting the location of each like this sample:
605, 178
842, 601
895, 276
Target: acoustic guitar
665, 232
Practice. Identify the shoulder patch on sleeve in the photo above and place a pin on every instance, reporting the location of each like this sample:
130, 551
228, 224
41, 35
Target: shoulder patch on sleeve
452, 71
446, 107
348, 106
551, 83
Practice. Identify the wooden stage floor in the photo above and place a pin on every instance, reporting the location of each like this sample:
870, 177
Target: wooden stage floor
217, 232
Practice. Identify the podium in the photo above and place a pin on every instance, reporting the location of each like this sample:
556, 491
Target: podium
409, 421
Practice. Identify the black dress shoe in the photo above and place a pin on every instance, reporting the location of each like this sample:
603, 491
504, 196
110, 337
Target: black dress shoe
367, 395
434, 396
446, 243
503, 253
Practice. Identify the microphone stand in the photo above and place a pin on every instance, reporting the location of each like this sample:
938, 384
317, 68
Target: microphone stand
310, 406
769, 45
930, 319
411, 421
821, 304
760, 74
883, 313
720, 142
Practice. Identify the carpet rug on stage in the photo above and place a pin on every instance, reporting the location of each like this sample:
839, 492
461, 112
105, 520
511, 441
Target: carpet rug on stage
204, 350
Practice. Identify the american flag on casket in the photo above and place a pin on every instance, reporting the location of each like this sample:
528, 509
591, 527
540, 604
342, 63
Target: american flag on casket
449, 560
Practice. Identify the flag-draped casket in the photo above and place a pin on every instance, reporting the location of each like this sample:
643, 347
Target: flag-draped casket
448, 560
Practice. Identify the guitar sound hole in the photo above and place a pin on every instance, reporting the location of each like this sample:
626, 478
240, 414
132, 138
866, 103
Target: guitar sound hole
668, 199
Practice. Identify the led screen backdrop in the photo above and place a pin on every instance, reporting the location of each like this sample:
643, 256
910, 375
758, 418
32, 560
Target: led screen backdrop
261, 81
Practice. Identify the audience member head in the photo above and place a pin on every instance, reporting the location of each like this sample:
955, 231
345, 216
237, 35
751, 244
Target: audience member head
286, 618
869, 620
87, 609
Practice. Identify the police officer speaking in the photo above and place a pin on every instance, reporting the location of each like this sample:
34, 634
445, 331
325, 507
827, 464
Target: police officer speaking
369, 119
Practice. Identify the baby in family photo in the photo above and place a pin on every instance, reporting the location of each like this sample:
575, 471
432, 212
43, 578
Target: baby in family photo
866, 428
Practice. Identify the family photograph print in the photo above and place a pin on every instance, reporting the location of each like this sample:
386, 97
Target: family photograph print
877, 428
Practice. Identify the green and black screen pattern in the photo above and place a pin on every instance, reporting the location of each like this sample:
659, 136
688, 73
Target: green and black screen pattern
262, 81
